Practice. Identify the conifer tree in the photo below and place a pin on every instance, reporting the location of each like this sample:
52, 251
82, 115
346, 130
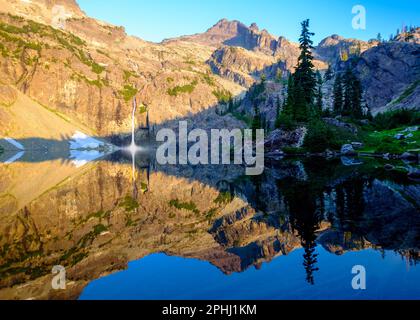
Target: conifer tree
357, 111
290, 101
303, 84
348, 93
352, 104
277, 124
338, 95
319, 96
328, 73
256, 122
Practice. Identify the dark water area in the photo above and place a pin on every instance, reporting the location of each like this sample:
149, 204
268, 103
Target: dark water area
138, 230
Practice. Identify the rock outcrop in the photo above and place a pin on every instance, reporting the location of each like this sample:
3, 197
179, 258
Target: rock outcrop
390, 76
242, 66
336, 48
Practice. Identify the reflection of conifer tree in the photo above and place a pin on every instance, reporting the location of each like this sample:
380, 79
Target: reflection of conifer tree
305, 216
260, 205
350, 202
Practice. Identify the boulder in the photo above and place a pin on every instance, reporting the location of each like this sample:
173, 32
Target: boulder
408, 156
414, 174
389, 167
348, 162
279, 139
357, 145
340, 124
348, 150
399, 136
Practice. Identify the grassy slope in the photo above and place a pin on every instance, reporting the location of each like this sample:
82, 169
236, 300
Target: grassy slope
384, 141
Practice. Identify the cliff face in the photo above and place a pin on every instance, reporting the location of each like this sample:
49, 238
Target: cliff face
89, 71
390, 75
261, 54
335, 48
233, 33
242, 66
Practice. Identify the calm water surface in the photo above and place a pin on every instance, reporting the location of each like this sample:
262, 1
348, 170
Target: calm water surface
182, 232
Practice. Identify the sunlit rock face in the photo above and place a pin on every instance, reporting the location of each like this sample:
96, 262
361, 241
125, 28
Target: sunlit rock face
89, 71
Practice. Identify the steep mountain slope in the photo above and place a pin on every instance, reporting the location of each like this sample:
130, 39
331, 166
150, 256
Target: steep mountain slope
390, 76
263, 53
233, 33
89, 70
24, 118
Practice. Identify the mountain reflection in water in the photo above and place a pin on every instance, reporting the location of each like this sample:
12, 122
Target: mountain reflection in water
303, 225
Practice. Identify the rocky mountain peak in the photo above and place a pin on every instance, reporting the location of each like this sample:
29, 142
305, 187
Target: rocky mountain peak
254, 27
226, 27
412, 36
44, 11
336, 48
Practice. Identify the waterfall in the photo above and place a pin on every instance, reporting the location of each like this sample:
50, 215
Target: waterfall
133, 124
133, 147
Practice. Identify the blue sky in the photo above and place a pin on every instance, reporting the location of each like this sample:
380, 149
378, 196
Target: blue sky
155, 20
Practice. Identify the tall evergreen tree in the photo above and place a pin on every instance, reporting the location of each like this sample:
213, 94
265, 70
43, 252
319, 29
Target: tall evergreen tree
304, 77
352, 95
338, 95
277, 124
328, 74
319, 95
290, 101
256, 121
357, 110
348, 93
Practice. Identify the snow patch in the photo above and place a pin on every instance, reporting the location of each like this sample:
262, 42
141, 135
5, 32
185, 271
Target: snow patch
84, 149
82, 141
82, 157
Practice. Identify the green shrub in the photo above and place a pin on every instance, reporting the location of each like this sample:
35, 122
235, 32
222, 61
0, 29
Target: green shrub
320, 137
98, 229
208, 79
224, 198
222, 95
96, 68
188, 88
396, 119
389, 147
129, 204
211, 214
128, 92
189, 206
286, 122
